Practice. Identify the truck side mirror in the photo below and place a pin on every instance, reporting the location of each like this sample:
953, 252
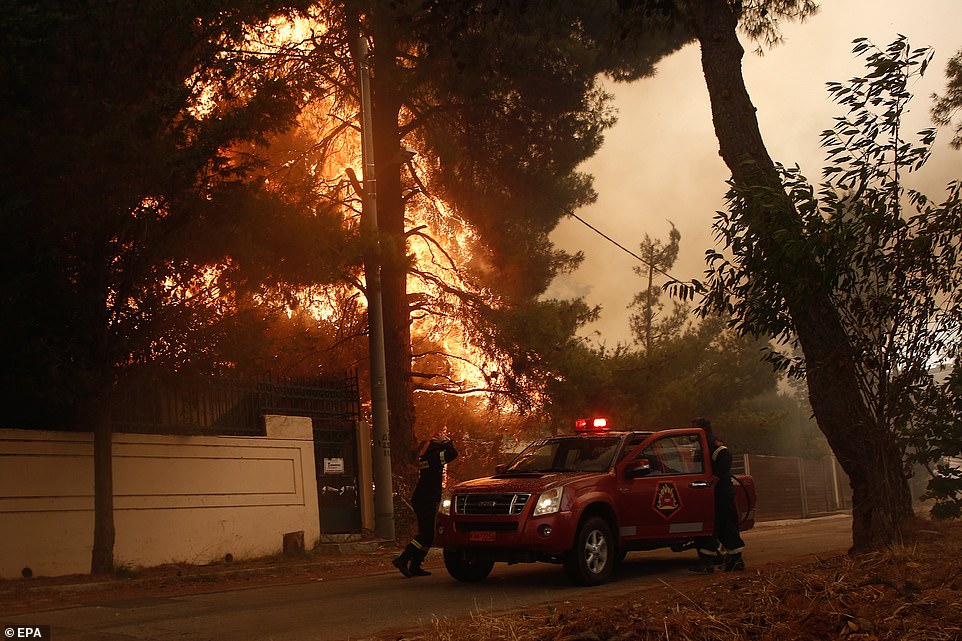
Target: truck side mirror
638, 468
500, 468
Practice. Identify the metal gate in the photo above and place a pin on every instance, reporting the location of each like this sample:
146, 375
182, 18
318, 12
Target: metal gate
335, 459
790, 488
334, 409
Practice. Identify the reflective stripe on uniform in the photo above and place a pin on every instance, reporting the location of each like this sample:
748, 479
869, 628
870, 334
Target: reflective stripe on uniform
417, 544
714, 455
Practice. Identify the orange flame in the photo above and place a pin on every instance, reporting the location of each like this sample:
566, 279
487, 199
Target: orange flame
440, 242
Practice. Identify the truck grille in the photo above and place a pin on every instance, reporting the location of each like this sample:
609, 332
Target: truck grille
490, 504
486, 526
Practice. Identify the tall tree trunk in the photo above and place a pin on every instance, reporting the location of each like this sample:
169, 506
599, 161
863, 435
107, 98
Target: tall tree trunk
868, 452
394, 263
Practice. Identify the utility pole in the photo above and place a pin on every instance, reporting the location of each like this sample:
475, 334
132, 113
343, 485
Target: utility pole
381, 462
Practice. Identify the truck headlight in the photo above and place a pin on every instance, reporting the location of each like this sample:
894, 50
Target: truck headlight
444, 507
549, 502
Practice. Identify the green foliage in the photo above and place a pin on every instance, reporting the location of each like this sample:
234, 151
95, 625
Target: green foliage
707, 370
760, 19
935, 434
505, 106
649, 324
888, 257
539, 343
947, 106
894, 255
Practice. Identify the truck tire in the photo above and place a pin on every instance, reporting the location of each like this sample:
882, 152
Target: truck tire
466, 566
592, 559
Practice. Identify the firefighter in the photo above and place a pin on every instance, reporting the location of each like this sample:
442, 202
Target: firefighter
726, 512
433, 455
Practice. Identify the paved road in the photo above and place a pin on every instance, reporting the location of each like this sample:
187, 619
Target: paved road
355, 608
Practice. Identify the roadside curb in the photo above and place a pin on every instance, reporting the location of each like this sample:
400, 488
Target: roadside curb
369, 557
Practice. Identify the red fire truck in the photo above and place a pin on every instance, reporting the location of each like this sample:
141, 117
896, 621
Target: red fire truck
585, 500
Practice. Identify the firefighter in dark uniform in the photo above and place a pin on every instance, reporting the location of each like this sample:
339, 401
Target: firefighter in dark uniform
433, 455
726, 512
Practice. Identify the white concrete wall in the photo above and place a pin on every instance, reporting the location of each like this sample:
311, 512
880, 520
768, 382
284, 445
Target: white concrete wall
191, 499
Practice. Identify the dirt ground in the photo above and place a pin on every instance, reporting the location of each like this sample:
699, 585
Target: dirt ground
911, 592
42, 593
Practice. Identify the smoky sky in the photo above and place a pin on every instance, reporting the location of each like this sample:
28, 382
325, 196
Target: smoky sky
660, 162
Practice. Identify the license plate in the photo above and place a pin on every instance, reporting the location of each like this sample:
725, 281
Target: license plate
487, 537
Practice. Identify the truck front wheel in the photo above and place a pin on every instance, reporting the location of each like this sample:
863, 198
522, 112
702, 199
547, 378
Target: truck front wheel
466, 566
593, 557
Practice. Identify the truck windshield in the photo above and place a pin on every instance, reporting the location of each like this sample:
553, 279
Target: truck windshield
571, 454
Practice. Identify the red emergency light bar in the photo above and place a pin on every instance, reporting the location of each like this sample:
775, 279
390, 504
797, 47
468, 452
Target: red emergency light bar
590, 425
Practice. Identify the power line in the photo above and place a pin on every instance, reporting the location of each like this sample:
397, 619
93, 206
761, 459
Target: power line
620, 246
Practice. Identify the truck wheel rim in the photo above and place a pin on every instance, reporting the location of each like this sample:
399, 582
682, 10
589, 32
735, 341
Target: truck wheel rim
596, 552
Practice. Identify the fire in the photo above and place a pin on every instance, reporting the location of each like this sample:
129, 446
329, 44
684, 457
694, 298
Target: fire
439, 240
445, 243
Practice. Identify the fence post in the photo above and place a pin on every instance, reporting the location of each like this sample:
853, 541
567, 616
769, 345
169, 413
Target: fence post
801, 487
836, 494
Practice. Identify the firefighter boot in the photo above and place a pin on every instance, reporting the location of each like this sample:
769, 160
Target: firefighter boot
733, 562
417, 558
402, 562
705, 565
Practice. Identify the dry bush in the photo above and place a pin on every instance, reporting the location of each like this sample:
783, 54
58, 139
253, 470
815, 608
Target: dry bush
910, 592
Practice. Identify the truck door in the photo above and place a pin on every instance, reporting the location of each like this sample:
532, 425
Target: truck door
673, 497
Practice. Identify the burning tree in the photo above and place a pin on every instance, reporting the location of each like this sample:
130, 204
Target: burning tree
501, 102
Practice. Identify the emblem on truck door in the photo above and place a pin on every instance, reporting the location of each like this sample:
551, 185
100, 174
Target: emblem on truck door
667, 501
